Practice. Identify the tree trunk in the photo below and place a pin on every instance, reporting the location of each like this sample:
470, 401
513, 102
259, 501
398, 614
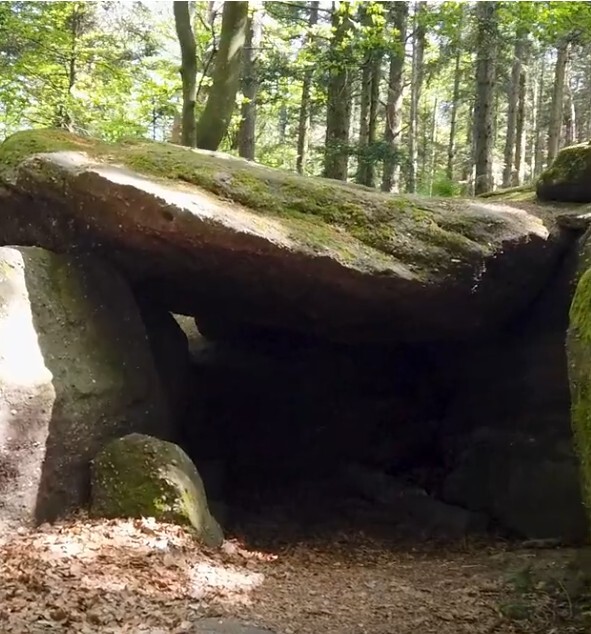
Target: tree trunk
486, 13
184, 31
370, 94
250, 87
398, 14
539, 141
451, 146
418, 51
338, 110
518, 167
570, 122
468, 167
556, 109
432, 140
512, 108
304, 118
215, 119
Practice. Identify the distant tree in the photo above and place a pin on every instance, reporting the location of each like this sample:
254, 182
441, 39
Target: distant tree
487, 33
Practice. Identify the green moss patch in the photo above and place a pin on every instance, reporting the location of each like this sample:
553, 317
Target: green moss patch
568, 179
579, 352
353, 222
142, 476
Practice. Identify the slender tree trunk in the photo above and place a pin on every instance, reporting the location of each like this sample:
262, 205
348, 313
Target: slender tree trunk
304, 118
250, 87
520, 137
539, 137
468, 167
215, 119
513, 103
432, 141
338, 111
556, 109
370, 94
182, 19
418, 51
451, 145
398, 14
570, 120
486, 13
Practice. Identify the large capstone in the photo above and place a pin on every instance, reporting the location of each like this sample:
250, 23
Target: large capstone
75, 372
244, 247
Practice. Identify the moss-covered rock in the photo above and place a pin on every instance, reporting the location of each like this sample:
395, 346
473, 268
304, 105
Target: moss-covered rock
568, 179
75, 372
579, 360
239, 244
142, 476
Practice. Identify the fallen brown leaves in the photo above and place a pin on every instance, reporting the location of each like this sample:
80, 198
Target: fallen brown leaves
117, 576
141, 576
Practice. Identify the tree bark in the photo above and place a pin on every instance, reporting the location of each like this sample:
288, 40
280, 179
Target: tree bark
570, 120
487, 37
215, 119
304, 116
338, 111
468, 166
556, 109
451, 145
250, 87
188, 71
538, 159
512, 108
398, 14
518, 166
370, 94
418, 51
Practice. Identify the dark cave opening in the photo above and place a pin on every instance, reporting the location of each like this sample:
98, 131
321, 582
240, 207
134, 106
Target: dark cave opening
435, 439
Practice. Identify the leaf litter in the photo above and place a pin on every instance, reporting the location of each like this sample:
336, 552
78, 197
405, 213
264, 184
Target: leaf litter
142, 576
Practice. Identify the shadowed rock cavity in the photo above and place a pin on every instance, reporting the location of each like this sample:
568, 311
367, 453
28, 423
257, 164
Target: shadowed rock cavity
436, 438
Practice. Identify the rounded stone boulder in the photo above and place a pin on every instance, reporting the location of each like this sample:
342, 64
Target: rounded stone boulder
142, 476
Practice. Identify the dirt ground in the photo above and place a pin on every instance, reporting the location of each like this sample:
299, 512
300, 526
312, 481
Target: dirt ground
141, 576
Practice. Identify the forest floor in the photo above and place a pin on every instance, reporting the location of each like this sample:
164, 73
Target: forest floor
140, 576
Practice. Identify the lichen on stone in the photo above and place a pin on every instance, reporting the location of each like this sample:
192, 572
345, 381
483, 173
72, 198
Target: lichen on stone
568, 179
351, 223
579, 357
142, 476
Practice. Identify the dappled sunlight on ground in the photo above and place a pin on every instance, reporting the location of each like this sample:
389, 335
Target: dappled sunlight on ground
133, 576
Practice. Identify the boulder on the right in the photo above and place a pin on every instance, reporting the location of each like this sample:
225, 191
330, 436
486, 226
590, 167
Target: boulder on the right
579, 367
568, 179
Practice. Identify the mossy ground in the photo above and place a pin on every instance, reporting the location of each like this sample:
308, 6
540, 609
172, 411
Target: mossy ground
521, 193
355, 222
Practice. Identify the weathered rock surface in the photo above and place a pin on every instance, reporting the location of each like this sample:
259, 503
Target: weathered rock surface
252, 247
411, 507
507, 429
568, 179
75, 372
142, 476
579, 364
